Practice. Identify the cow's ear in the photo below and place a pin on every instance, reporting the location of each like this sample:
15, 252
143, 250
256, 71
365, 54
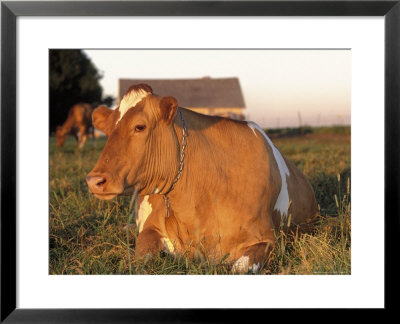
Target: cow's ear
168, 106
99, 118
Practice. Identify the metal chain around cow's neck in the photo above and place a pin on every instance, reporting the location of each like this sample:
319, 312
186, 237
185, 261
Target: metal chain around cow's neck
181, 163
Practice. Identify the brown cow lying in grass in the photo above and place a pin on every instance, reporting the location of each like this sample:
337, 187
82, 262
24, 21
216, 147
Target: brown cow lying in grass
206, 183
78, 123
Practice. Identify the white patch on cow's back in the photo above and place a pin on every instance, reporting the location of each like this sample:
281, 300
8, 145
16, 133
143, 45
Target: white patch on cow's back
143, 213
130, 100
282, 203
168, 246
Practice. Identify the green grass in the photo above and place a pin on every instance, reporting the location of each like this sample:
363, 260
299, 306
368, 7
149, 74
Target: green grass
87, 235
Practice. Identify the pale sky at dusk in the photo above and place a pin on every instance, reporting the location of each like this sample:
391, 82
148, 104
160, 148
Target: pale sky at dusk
277, 85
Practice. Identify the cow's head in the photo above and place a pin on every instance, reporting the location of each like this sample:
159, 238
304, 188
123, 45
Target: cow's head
142, 148
61, 136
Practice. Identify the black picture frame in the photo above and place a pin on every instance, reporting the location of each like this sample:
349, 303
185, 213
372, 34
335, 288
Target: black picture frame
11, 10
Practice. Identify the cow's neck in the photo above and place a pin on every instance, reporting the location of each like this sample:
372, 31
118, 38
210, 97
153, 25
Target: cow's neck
181, 161
67, 126
181, 154
200, 167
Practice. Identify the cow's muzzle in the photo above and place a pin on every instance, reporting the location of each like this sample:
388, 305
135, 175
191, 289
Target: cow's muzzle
102, 187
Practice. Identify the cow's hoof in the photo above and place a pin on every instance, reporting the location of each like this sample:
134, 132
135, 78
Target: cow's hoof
242, 266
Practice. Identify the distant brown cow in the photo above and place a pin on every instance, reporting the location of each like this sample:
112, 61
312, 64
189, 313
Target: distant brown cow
206, 183
78, 123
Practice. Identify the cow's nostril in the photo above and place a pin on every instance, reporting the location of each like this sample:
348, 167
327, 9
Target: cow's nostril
96, 182
100, 181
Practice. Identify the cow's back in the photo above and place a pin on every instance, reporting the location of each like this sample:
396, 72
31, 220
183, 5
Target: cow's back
81, 115
249, 169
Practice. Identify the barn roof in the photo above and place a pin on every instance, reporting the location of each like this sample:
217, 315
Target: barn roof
205, 92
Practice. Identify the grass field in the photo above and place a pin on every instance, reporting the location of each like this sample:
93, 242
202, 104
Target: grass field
87, 235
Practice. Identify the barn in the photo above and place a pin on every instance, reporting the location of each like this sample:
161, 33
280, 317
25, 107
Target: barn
209, 96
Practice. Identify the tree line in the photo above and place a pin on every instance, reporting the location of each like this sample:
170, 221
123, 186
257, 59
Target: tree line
73, 79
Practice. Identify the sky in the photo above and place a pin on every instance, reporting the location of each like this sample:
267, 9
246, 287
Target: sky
281, 88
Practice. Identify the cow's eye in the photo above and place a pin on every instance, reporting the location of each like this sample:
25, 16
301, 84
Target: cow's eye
140, 128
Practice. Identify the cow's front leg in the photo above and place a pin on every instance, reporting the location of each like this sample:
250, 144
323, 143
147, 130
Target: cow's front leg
148, 242
82, 137
151, 242
255, 257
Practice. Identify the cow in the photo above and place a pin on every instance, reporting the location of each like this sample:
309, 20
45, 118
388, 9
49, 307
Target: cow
206, 184
78, 123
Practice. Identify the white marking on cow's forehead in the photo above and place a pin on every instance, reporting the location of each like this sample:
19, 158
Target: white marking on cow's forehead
130, 100
282, 203
143, 213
